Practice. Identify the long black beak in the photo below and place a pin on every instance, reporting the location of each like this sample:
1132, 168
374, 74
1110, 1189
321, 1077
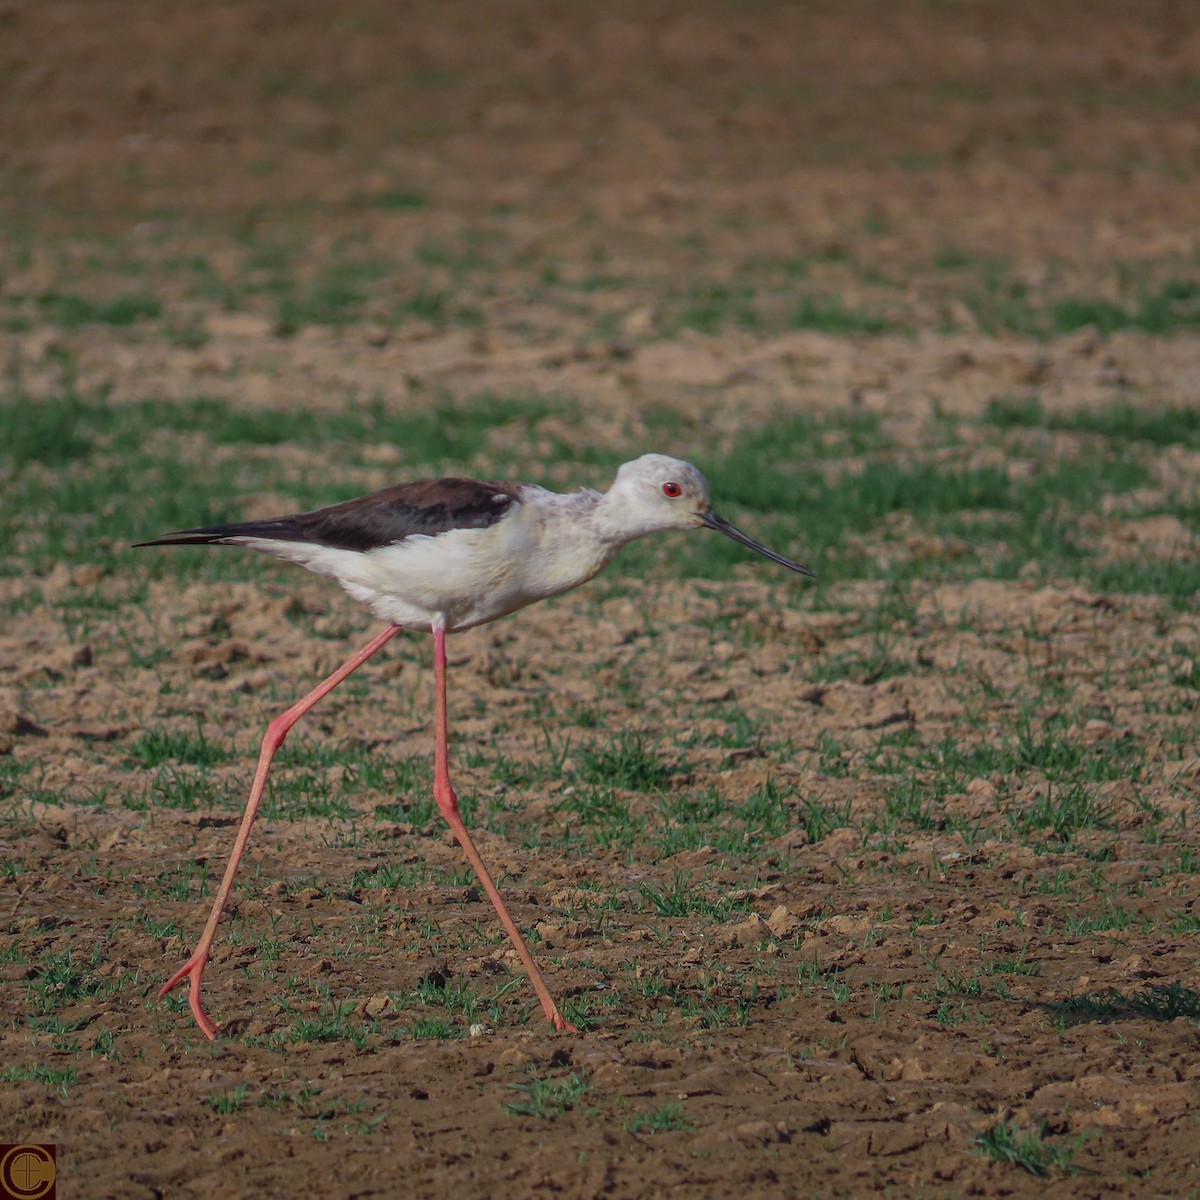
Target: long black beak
711, 519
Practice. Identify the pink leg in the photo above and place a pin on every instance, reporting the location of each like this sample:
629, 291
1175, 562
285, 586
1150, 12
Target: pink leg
193, 969
447, 801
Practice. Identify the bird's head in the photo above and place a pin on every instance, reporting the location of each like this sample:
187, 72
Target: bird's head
656, 492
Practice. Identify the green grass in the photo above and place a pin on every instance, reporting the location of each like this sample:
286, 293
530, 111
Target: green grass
625, 762
547, 1099
1172, 425
399, 200
771, 479
85, 514
56, 1079
830, 316
225, 1104
331, 1023
1046, 779
683, 898
1003, 301
667, 1119
434, 1028
336, 297
1155, 1002
711, 307
62, 979
67, 426
158, 746
71, 311
1172, 307
1030, 1149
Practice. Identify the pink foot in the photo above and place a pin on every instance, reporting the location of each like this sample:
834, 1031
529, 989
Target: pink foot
191, 971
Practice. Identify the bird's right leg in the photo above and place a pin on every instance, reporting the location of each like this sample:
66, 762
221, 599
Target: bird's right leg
277, 730
447, 801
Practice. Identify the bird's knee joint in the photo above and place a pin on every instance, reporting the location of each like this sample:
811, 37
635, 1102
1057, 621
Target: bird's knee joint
277, 731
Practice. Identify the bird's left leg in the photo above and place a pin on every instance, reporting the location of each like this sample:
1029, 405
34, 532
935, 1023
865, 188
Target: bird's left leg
447, 801
277, 730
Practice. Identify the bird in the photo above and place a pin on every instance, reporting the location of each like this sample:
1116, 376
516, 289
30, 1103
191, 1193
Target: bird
440, 556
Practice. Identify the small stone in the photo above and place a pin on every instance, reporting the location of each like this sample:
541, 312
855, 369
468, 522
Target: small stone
746, 933
781, 922
377, 1005
761, 1133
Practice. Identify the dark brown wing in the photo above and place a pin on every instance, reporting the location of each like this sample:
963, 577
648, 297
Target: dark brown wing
429, 507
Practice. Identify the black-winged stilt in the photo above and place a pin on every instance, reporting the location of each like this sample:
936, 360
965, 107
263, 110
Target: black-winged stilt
444, 555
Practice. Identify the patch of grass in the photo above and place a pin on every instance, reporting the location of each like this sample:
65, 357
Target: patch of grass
1176, 580
766, 812
56, 1079
879, 660
627, 763
1002, 302
819, 819
667, 1119
950, 258
474, 251
1016, 412
389, 875
831, 316
423, 306
188, 790
62, 980
1174, 306
157, 746
399, 200
711, 307
1016, 965
49, 431
1061, 812
224, 1104
72, 311
548, 1099
293, 793
1030, 1149
682, 898
1155, 1002
336, 297
331, 1024
1121, 421
1065, 803
437, 1028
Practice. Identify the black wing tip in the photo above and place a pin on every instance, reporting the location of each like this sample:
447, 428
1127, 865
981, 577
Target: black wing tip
191, 537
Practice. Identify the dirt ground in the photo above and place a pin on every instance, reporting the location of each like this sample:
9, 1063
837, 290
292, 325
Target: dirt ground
886, 886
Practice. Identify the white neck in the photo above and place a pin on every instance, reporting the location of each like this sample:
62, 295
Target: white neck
617, 521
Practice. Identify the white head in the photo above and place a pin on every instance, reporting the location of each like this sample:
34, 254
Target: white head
656, 492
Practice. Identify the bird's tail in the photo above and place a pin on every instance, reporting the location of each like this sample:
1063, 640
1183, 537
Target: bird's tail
218, 535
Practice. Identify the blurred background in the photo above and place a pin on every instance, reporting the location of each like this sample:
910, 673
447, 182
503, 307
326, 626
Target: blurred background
842, 880
698, 228
924, 164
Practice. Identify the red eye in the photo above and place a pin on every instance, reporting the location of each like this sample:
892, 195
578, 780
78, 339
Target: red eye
672, 489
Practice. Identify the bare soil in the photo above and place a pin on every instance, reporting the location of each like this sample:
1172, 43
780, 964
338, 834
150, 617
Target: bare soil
828, 1010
